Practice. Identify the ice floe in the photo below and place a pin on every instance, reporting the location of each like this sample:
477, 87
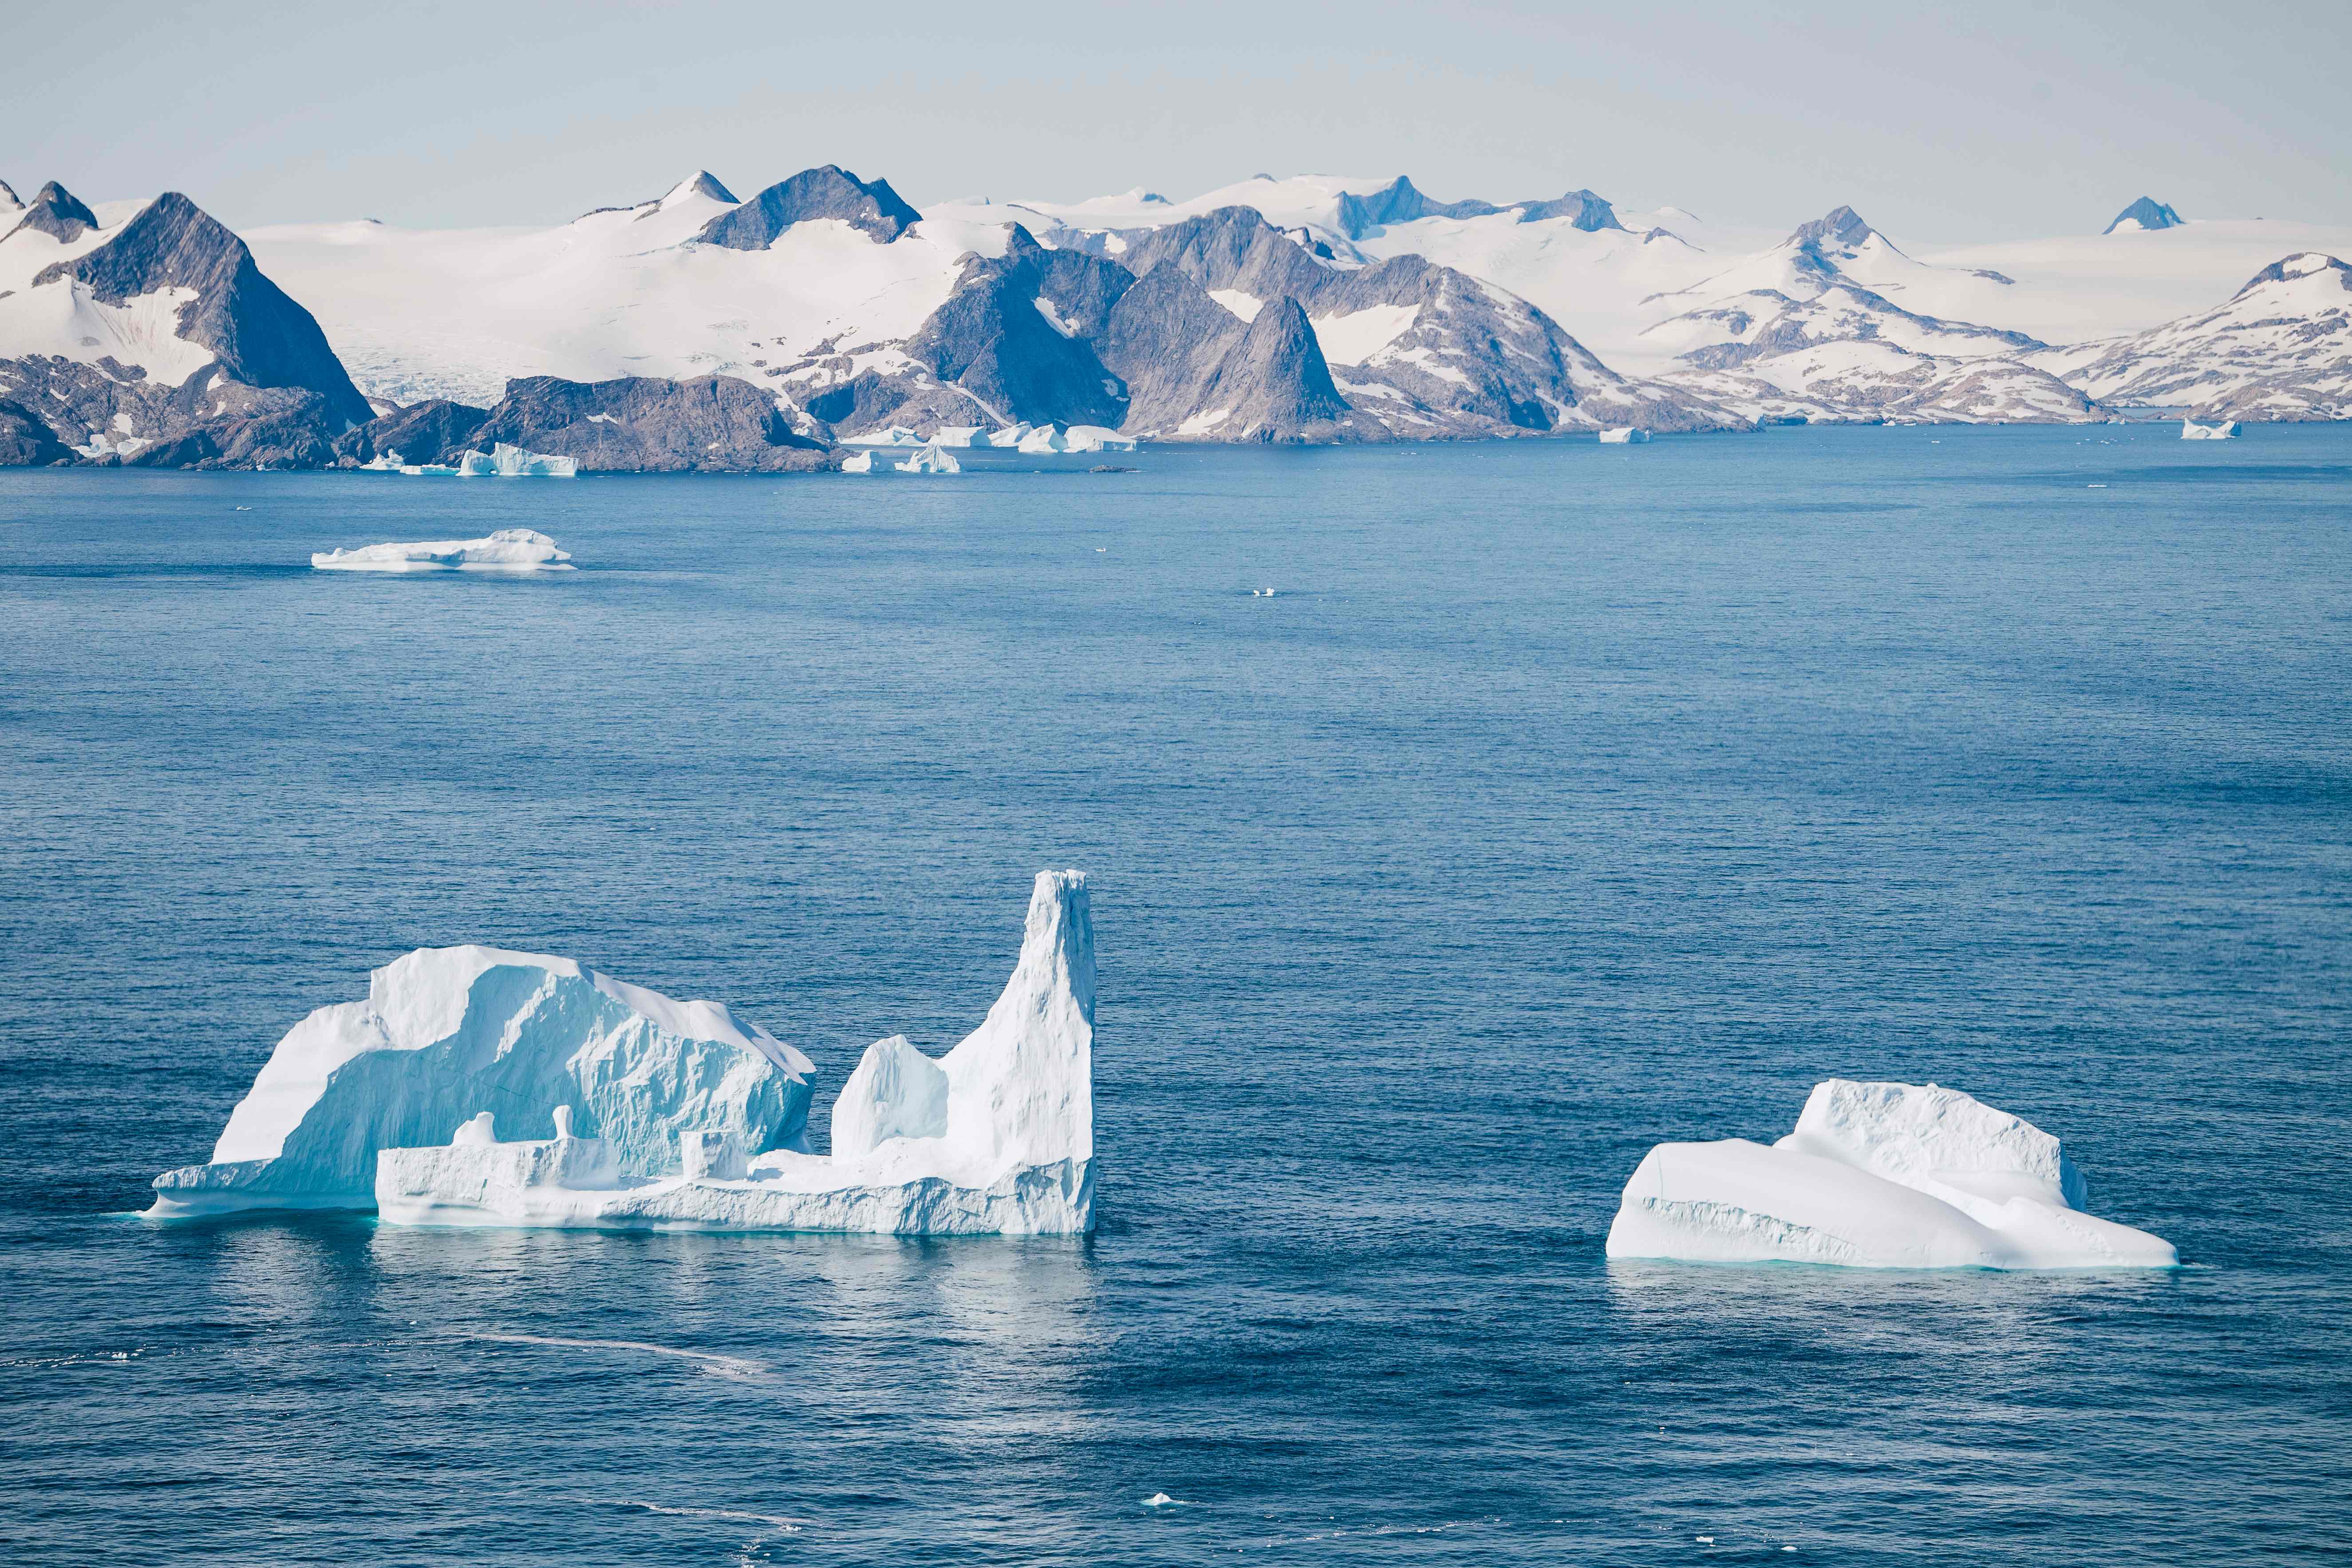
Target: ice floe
507, 550
666, 1114
1877, 1175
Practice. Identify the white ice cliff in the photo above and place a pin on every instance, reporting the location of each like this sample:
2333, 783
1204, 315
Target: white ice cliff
1877, 1175
510, 462
663, 1114
449, 1035
507, 550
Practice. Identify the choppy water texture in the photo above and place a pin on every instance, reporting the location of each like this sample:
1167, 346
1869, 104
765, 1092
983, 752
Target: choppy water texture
1562, 799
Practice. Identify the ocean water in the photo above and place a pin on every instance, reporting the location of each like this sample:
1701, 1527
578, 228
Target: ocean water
1561, 800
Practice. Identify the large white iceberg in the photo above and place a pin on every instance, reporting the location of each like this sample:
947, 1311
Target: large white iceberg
858, 463
1096, 439
1877, 1175
448, 1035
894, 436
1623, 435
2221, 430
996, 1137
510, 462
930, 460
507, 550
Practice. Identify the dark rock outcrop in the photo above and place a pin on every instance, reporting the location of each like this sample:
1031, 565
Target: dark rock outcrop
434, 432
259, 335
832, 192
54, 212
1582, 209
995, 339
26, 442
714, 423
1401, 202
2147, 212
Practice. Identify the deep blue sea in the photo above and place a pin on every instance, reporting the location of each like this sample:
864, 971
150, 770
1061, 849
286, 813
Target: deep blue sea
1562, 799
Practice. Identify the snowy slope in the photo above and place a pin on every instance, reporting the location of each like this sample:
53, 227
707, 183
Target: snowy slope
2280, 349
455, 314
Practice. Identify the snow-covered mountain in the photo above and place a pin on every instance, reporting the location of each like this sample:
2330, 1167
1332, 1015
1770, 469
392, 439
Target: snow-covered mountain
857, 311
2280, 349
143, 332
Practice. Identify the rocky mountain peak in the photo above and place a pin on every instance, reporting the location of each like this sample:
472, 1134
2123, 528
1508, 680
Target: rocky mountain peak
55, 212
1584, 210
701, 182
2144, 212
10, 202
1843, 227
829, 192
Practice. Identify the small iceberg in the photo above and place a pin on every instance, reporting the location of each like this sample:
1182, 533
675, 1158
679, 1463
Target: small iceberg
1877, 1175
1096, 439
507, 550
929, 460
2222, 431
896, 435
510, 462
863, 463
665, 1114
1623, 435
385, 463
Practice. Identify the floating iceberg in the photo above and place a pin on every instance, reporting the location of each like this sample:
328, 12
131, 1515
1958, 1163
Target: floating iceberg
449, 1037
863, 463
1623, 435
1877, 1175
896, 435
960, 436
1010, 436
1045, 438
929, 460
387, 463
510, 462
996, 1137
2192, 431
1096, 439
507, 550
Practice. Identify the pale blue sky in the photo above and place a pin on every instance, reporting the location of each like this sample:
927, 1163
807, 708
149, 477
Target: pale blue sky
1992, 120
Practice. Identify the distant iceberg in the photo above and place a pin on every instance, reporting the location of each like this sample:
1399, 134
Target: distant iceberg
654, 1113
507, 550
1010, 436
896, 435
1623, 435
1096, 439
449, 1035
1877, 1175
510, 462
863, 463
929, 460
960, 436
2192, 431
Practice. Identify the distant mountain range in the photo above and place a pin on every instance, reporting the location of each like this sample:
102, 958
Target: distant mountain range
700, 332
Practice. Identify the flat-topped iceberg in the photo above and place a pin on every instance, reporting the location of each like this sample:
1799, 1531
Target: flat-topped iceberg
1877, 1175
996, 1137
507, 550
448, 1035
510, 462
1623, 435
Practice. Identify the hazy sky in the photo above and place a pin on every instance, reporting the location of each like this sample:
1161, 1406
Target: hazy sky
1997, 119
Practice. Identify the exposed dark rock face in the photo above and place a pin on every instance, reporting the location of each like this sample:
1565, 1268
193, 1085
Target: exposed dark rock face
434, 432
1167, 339
1232, 247
995, 339
870, 205
2147, 212
55, 212
1399, 202
264, 427
714, 423
259, 335
1278, 387
26, 442
1184, 355
10, 202
1585, 210
1841, 226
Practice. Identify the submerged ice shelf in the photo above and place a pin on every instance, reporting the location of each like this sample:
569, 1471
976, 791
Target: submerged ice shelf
1877, 1175
666, 1114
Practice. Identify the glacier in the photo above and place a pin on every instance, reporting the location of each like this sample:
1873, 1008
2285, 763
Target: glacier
1877, 1175
507, 550
449, 1039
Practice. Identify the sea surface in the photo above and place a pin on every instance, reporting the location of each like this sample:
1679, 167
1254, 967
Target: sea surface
1560, 799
